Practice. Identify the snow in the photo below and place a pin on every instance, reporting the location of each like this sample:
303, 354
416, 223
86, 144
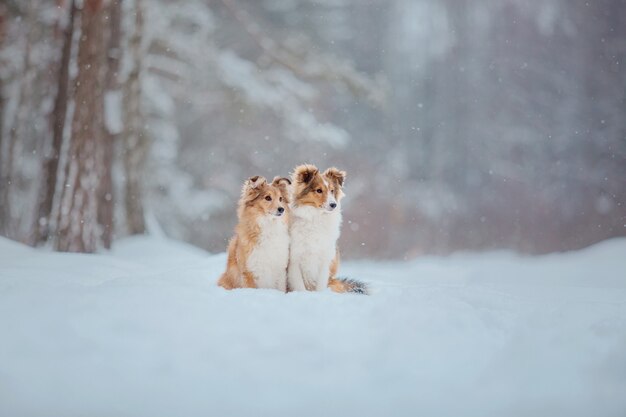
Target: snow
144, 331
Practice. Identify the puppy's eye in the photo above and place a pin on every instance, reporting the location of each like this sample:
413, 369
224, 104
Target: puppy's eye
280, 199
332, 191
268, 198
319, 191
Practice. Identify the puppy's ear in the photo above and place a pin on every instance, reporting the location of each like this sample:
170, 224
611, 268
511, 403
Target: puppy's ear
283, 184
336, 175
256, 182
304, 173
252, 187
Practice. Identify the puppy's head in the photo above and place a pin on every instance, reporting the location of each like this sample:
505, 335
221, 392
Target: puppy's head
262, 198
312, 188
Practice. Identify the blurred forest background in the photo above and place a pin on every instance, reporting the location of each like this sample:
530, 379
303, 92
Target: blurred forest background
463, 124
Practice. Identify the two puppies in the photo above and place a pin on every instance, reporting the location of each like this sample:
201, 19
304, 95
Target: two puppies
286, 238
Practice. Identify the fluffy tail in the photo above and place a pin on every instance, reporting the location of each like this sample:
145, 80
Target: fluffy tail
347, 285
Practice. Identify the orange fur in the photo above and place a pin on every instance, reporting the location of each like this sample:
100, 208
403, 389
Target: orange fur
342, 285
337, 286
252, 204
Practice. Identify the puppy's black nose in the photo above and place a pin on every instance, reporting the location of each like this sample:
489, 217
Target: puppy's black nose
333, 205
281, 209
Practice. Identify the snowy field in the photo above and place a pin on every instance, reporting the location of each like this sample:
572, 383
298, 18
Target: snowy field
144, 331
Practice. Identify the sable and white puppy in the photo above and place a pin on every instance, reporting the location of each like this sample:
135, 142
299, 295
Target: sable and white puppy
314, 229
259, 252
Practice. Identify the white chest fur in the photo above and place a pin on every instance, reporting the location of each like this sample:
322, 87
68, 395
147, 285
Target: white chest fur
269, 258
314, 235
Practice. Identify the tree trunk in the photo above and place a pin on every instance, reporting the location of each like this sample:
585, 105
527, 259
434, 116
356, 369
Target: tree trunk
78, 223
57, 125
135, 141
112, 131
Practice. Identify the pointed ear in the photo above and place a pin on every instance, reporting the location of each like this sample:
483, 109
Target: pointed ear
255, 182
336, 175
252, 187
304, 173
283, 184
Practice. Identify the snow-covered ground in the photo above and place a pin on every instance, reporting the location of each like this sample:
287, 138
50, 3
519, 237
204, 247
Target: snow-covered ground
144, 331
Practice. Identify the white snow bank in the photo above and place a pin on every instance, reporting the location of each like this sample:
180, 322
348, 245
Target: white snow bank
144, 331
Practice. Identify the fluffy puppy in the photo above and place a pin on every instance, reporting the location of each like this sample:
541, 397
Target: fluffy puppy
258, 253
314, 229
